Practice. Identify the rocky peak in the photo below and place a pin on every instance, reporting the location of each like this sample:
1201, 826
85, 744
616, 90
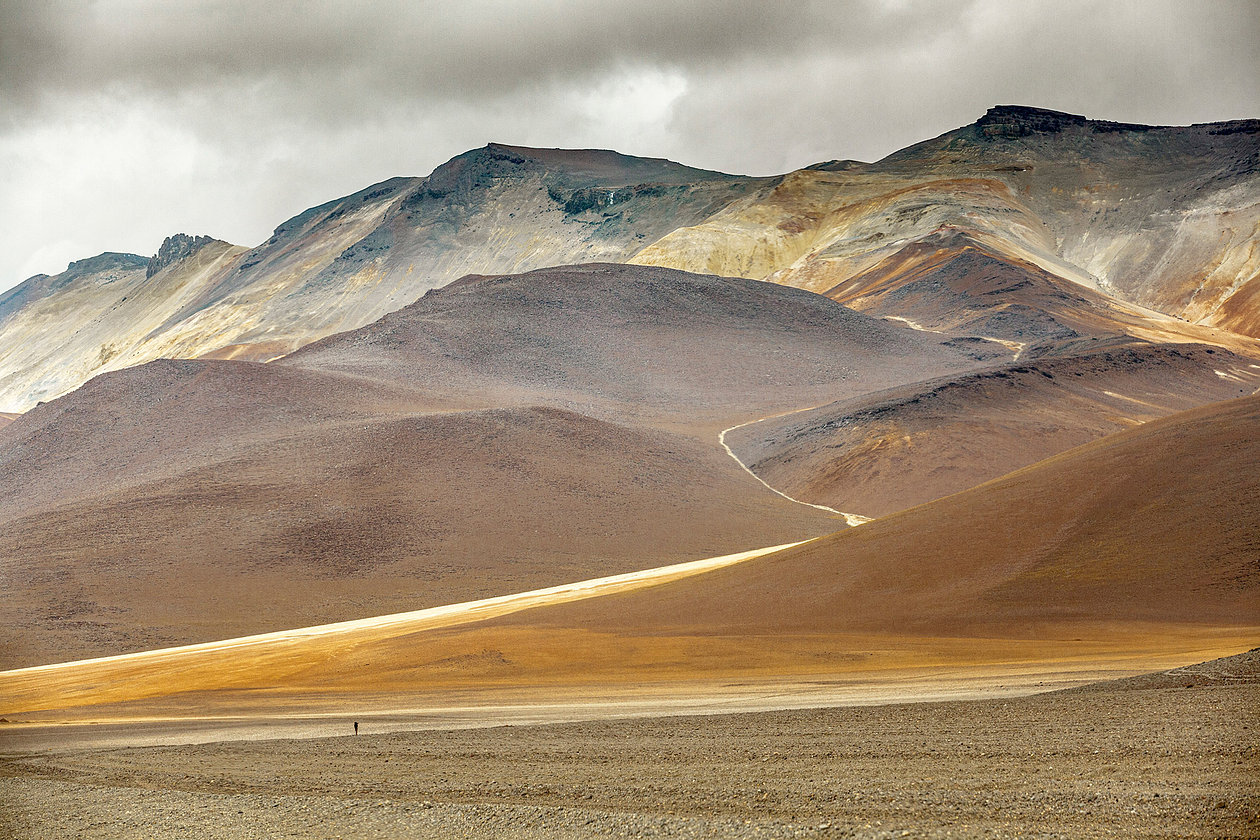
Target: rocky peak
1021, 121
476, 169
837, 166
175, 248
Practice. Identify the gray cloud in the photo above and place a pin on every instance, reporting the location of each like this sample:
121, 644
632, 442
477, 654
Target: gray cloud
126, 120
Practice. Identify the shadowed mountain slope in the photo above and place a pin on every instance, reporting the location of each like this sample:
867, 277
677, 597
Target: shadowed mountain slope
384, 514
634, 342
896, 449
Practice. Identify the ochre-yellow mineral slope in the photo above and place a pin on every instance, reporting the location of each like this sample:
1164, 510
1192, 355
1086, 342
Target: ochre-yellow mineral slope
1163, 218
817, 228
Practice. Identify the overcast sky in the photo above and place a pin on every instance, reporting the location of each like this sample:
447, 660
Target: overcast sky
124, 121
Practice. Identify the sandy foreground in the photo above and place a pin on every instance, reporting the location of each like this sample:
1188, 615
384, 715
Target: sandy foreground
1168, 755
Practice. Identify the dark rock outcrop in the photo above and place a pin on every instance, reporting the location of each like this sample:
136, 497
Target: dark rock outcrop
176, 248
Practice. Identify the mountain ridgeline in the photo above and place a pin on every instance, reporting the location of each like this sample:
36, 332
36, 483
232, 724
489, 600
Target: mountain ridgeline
1162, 221
346, 263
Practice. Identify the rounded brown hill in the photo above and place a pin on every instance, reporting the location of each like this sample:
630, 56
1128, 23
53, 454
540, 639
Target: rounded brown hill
634, 340
386, 514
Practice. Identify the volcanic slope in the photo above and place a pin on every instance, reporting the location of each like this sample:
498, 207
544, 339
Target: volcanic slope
899, 448
1163, 217
1141, 546
58, 332
432, 457
345, 263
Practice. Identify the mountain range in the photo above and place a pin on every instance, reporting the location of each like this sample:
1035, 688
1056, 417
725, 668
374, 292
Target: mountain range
1051, 207
1021, 358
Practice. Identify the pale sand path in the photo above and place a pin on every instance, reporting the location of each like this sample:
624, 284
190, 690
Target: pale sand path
410, 622
1016, 347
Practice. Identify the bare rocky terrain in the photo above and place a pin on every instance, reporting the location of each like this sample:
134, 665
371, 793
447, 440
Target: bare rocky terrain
502, 434
1162, 217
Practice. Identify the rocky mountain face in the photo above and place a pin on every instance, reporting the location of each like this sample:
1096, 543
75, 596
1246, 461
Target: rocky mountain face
1164, 222
99, 315
345, 263
1167, 218
174, 249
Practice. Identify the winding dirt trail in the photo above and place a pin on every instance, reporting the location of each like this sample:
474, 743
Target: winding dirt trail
852, 519
1016, 347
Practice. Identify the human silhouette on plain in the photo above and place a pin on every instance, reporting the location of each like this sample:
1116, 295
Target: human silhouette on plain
356, 727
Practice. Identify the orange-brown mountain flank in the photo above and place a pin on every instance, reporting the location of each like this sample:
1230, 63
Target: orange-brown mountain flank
954, 283
1155, 526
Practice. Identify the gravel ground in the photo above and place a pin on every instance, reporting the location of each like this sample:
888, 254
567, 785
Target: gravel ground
1162, 759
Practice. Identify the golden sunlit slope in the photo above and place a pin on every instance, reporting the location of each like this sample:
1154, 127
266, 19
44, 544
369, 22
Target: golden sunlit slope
817, 228
899, 448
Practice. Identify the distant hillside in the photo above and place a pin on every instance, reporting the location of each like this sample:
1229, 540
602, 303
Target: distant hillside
1157, 524
1163, 217
899, 448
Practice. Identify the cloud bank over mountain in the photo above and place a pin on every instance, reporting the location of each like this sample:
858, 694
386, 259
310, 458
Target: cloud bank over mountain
129, 120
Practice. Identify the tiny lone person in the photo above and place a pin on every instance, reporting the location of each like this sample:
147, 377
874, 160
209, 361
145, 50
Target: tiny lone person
356, 727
